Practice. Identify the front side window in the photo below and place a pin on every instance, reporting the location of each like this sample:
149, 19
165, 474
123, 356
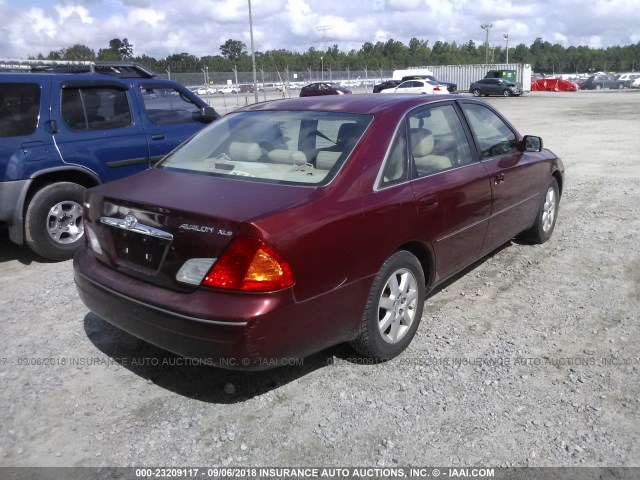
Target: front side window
494, 137
297, 147
167, 105
95, 108
19, 109
437, 140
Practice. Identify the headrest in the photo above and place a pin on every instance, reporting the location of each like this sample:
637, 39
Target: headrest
346, 132
245, 152
92, 100
327, 159
289, 157
422, 143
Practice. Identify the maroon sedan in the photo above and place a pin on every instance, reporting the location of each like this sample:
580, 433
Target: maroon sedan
323, 88
290, 226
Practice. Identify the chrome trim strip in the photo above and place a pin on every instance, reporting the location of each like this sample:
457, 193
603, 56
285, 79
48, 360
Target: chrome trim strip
129, 162
463, 229
162, 310
138, 228
514, 205
486, 219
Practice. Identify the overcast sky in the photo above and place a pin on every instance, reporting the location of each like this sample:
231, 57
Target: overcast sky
161, 27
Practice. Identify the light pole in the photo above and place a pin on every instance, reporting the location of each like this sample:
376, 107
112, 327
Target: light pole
486, 27
253, 57
322, 68
506, 37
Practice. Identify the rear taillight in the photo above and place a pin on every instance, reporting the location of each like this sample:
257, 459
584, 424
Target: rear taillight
250, 265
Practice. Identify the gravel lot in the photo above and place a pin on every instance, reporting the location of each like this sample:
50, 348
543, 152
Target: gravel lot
529, 358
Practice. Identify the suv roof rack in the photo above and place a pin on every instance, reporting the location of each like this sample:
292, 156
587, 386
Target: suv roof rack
118, 68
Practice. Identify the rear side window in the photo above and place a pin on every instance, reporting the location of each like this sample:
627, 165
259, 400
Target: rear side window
437, 140
19, 109
395, 170
167, 105
97, 108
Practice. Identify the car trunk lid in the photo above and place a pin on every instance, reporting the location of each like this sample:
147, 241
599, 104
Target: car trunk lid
150, 224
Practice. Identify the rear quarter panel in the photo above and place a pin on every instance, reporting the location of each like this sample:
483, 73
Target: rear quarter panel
347, 230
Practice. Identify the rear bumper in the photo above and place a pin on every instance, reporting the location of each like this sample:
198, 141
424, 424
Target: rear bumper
229, 330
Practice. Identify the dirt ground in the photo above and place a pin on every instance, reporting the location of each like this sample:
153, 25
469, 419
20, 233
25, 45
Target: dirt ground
529, 358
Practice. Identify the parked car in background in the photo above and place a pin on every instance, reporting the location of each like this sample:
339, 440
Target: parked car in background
293, 225
419, 86
377, 88
205, 90
247, 88
598, 82
451, 87
494, 86
553, 85
323, 88
63, 130
227, 90
627, 79
579, 81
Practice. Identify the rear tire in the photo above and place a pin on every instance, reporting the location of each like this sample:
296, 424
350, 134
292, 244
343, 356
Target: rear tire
476, 92
394, 308
54, 226
542, 229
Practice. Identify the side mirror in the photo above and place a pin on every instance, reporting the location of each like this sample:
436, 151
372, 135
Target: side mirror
208, 115
531, 143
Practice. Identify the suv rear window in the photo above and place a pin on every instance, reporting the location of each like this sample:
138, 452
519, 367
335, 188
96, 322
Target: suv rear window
19, 109
95, 108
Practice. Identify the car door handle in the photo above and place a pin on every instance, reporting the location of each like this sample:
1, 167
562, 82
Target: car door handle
157, 136
499, 179
428, 202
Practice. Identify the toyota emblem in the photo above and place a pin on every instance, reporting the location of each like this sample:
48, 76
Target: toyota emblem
130, 221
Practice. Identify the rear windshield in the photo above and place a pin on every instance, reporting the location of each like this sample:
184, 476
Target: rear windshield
292, 147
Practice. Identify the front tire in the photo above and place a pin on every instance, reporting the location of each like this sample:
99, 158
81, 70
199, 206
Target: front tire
542, 229
54, 226
506, 92
394, 308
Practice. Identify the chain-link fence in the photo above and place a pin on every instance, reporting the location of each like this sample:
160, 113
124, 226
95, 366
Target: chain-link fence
211, 78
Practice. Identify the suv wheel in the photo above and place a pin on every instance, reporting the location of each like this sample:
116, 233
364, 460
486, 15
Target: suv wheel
54, 225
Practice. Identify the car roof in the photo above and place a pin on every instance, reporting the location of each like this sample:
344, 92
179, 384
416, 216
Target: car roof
347, 103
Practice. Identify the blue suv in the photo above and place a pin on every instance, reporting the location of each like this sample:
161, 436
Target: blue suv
65, 128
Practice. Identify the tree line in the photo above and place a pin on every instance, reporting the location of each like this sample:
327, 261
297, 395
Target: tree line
392, 54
